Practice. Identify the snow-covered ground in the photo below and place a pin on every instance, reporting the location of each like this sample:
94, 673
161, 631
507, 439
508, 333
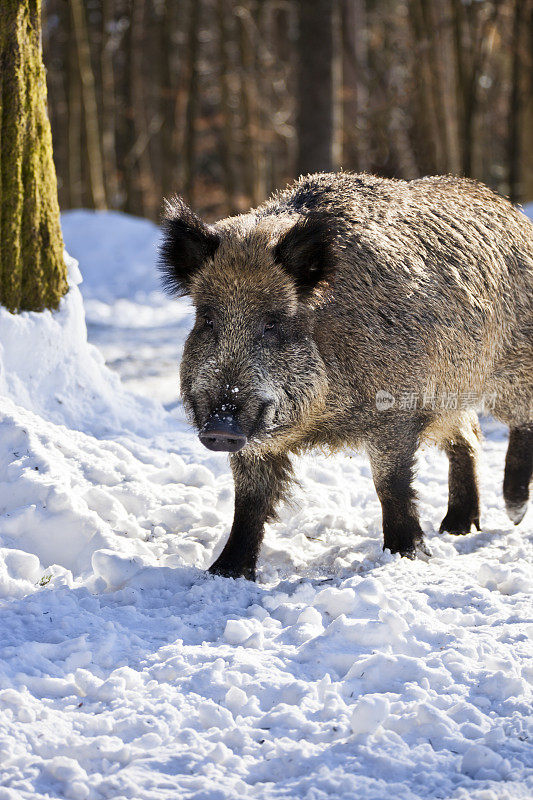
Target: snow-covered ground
126, 672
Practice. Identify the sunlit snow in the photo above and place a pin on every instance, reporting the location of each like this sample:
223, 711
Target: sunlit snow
126, 672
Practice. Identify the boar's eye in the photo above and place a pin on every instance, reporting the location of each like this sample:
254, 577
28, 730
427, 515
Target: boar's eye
271, 326
205, 318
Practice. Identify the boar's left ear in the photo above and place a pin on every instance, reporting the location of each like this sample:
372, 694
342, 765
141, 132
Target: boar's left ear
306, 252
188, 242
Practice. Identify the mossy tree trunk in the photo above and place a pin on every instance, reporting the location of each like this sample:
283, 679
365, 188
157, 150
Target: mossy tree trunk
32, 270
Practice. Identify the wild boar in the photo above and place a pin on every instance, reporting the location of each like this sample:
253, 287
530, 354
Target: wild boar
320, 311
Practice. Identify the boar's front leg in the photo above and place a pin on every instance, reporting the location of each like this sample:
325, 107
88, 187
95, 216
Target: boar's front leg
260, 483
392, 451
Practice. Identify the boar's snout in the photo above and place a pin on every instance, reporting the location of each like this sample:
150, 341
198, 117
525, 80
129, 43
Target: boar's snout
223, 433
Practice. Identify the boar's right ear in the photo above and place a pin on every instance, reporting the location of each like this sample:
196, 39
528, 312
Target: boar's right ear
188, 242
306, 252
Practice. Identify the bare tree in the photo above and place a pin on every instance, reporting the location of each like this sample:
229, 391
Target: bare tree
516, 100
108, 101
472, 26
75, 182
90, 109
227, 122
167, 24
138, 158
189, 147
253, 172
527, 128
314, 102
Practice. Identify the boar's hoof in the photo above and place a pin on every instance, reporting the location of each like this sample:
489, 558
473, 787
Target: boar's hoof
422, 550
516, 495
404, 536
459, 521
516, 511
418, 549
226, 570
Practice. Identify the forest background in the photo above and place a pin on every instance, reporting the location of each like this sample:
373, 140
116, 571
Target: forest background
224, 101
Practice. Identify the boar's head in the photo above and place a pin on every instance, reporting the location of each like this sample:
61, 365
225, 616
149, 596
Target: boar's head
251, 370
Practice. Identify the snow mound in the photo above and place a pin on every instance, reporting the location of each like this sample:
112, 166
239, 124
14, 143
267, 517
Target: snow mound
47, 366
126, 672
115, 250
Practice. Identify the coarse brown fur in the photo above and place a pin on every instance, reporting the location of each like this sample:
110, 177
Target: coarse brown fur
336, 290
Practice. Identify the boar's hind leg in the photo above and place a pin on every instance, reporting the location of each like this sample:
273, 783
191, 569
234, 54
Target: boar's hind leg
260, 483
392, 454
462, 449
518, 472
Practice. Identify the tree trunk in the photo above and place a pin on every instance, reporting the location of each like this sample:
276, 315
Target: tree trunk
446, 66
527, 131
138, 158
336, 74
33, 272
55, 37
515, 105
226, 132
466, 102
90, 109
267, 100
249, 105
427, 123
75, 182
314, 103
125, 118
284, 36
167, 23
189, 149
471, 33
108, 104
434, 64
350, 79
